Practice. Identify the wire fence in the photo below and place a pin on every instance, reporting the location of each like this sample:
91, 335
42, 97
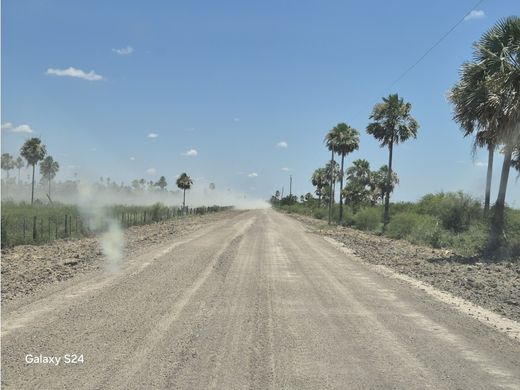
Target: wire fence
38, 229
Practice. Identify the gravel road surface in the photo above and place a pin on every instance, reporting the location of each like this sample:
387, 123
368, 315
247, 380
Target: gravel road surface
251, 301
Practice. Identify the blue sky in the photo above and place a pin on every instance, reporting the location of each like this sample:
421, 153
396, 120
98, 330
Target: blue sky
232, 79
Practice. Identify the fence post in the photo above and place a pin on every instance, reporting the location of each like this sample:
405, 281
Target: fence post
49, 223
56, 226
66, 221
24, 224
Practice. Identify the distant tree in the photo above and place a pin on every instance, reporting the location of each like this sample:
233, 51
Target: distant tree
392, 124
162, 184
48, 170
277, 194
212, 186
136, 185
319, 180
33, 151
19, 164
7, 163
378, 183
184, 183
347, 141
357, 191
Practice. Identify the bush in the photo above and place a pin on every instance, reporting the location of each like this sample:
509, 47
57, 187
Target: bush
368, 219
320, 213
455, 210
410, 224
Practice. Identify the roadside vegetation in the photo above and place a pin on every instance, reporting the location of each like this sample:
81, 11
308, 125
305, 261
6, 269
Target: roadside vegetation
39, 223
486, 102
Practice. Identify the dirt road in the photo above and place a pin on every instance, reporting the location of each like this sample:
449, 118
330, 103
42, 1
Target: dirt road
254, 301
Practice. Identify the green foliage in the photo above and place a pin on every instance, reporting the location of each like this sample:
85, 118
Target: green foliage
51, 225
455, 210
368, 219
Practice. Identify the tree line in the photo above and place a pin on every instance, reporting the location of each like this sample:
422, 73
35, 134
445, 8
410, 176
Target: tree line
486, 101
34, 152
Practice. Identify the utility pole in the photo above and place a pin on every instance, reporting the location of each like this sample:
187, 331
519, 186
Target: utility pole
282, 193
290, 185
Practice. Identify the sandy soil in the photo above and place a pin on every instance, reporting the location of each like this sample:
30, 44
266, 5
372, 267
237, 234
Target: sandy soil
492, 285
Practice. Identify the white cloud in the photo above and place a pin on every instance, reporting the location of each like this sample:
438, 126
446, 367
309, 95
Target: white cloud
17, 129
132, 158
151, 171
93, 149
281, 144
190, 153
480, 164
285, 169
73, 72
253, 174
152, 135
236, 120
475, 14
124, 51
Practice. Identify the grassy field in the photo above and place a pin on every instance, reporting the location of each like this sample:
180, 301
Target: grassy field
36, 224
445, 220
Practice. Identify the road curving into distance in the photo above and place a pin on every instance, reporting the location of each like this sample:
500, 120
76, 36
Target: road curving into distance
252, 301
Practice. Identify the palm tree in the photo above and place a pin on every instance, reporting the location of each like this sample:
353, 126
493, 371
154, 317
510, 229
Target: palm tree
319, 180
19, 164
184, 183
7, 163
33, 151
392, 124
48, 170
468, 96
162, 184
330, 141
347, 141
495, 101
378, 184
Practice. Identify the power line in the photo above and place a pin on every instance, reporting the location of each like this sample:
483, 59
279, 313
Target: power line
435, 44
430, 49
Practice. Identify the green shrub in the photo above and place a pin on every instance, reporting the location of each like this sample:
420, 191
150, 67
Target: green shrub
405, 224
320, 213
455, 210
368, 219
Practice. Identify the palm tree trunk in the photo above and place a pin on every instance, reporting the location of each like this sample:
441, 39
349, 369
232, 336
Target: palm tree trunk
32, 187
491, 151
49, 188
184, 200
386, 218
341, 190
497, 228
331, 196
18, 175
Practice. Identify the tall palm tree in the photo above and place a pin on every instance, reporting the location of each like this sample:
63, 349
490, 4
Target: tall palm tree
475, 117
48, 169
330, 141
496, 101
347, 141
184, 183
392, 124
33, 151
19, 164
